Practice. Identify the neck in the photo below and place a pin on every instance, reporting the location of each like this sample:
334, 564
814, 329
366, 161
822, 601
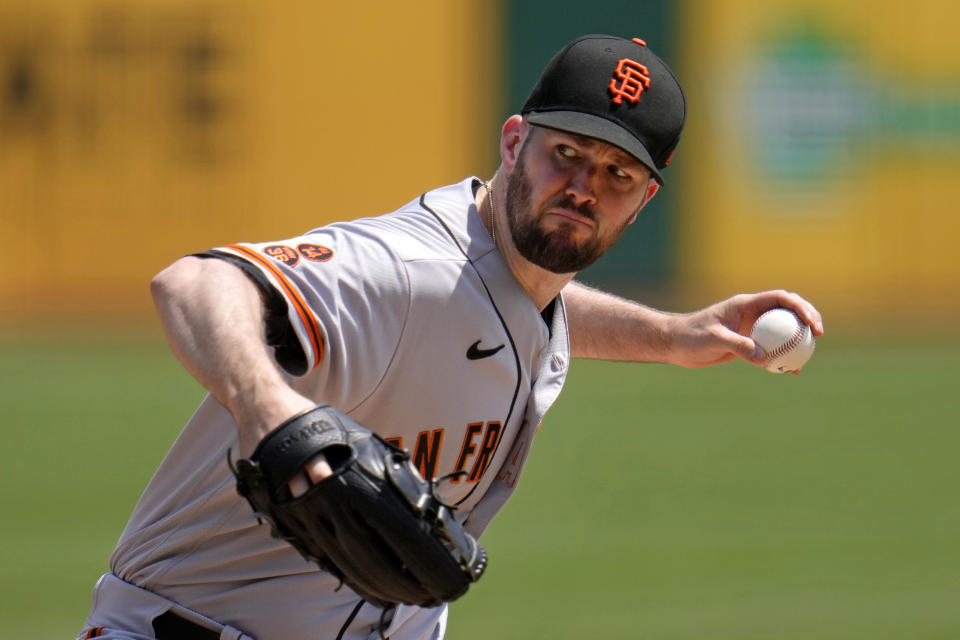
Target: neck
541, 285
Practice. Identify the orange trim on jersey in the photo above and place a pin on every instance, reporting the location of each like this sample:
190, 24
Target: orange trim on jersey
94, 633
299, 304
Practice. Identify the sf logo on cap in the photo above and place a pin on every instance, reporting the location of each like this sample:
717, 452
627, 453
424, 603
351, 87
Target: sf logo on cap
633, 77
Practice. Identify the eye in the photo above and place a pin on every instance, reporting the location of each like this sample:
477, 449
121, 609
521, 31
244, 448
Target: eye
566, 151
618, 173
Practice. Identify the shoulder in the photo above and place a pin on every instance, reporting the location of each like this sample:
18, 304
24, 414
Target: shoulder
433, 226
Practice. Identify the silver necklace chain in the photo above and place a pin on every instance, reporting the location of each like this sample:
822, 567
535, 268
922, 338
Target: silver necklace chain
493, 222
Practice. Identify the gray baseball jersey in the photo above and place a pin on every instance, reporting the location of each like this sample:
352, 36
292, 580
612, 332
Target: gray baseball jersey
410, 322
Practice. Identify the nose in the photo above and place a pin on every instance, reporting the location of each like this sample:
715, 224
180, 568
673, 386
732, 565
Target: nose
580, 186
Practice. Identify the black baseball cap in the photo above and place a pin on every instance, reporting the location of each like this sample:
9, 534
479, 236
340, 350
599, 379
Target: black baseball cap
614, 90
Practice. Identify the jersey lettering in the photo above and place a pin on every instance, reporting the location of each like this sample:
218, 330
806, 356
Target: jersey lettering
427, 452
480, 442
511, 470
473, 430
490, 441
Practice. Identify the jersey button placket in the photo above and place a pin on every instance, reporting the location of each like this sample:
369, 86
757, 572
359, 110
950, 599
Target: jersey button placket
557, 363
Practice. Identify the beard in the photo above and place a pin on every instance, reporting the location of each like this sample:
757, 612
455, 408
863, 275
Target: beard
556, 251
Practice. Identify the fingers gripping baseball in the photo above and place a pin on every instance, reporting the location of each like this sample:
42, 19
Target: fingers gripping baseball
787, 340
725, 345
722, 332
745, 348
780, 324
750, 307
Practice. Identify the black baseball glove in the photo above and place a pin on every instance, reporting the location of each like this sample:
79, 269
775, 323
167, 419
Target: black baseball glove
375, 523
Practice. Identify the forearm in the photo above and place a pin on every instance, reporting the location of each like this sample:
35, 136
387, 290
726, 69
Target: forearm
611, 328
608, 327
213, 318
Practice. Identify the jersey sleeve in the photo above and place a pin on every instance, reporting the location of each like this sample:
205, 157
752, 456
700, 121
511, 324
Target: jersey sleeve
279, 332
337, 301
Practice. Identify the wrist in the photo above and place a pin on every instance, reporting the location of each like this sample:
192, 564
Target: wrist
665, 331
260, 411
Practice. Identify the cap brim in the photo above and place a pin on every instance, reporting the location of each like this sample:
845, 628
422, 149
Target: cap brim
592, 126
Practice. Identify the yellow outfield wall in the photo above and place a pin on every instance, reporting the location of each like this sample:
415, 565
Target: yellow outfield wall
823, 152
135, 132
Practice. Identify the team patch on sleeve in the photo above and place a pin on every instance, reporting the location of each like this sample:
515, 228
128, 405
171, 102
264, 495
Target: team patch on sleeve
315, 252
290, 291
283, 254
290, 256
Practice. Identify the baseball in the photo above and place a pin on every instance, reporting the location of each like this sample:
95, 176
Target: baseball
789, 343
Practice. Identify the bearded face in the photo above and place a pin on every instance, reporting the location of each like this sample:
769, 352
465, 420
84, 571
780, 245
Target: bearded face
561, 249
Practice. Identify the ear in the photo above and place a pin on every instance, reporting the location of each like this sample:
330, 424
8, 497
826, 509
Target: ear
511, 141
652, 187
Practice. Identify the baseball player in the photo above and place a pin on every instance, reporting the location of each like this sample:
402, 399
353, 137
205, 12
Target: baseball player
436, 336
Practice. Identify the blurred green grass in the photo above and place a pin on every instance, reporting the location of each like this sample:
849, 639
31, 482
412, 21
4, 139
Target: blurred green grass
658, 502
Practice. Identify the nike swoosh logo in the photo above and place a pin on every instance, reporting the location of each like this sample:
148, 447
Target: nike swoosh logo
476, 353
